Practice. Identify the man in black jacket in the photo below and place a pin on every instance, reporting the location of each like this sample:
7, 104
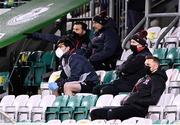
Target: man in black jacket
131, 70
146, 91
106, 47
79, 33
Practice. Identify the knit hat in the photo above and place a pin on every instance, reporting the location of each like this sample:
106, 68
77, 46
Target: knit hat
101, 20
140, 37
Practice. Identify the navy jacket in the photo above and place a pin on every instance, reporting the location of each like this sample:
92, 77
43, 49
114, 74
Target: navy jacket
82, 44
78, 65
105, 44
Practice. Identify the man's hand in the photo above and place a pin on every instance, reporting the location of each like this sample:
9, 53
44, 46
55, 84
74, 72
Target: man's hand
53, 86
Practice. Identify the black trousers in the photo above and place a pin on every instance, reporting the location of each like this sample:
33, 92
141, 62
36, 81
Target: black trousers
121, 112
114, 88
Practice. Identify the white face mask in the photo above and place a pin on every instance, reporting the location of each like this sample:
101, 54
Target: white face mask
59, 52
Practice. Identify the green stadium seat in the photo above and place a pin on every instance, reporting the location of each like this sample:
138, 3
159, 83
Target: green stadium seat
170, 57
82, 112
109, 77
52, 112
67, 111
161, 54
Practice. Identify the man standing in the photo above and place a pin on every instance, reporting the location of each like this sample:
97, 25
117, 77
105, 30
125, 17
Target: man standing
146, 91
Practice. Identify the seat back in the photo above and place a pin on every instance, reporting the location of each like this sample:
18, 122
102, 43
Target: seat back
21, 100
61, 101
47, 101
34, 100
89, 101
117, 100
109, 77
104, 100
165, 99
74, 101
101, 74
7, 100
160, 53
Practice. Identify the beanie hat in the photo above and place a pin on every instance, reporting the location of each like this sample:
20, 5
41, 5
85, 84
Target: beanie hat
140, 37
101, 20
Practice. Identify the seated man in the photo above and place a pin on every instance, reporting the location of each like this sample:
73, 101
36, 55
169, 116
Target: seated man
131, 70
77, 75
146, 91
80, 34
106, 47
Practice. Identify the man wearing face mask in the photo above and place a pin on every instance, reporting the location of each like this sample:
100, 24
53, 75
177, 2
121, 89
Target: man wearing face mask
146, 92
80, 34
77, 74
131, 70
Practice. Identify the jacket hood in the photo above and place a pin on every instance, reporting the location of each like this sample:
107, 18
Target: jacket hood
162, 73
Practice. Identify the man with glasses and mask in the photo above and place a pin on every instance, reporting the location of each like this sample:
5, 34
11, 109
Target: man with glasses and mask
131, 70
77, 75
147, 91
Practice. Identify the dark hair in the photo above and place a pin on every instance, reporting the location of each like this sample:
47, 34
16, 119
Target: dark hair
84, 25
155, 59
67, 41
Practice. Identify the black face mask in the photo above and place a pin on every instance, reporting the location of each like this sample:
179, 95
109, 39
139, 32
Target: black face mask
148, 71
76, 36
133, 48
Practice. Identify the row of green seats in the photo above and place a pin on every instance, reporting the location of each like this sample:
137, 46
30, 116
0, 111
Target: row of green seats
71, 107
169, 57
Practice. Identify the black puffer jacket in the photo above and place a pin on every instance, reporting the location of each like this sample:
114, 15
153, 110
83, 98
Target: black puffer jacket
148, 91
133, 68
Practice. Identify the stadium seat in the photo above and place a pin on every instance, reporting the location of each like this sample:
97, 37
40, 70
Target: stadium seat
156, 112
114, 122
109, 77
12, 110
174, 85
176, 63
54, 122
6, 101
38, 112
117, 99
173, 39
24, 112
171, 112
124, 57
161, 54
66, 112
172, 75
68, 122
82, 111
52, 112
170, 57
84, 122
99, 121
153, 34
101, 74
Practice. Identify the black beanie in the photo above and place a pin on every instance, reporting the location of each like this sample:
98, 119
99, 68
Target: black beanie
101, 20
140, 37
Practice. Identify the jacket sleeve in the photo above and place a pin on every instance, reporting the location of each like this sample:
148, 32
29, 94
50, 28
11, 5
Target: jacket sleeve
76, 68
46, 37
131, 66
110, 44
158, 86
